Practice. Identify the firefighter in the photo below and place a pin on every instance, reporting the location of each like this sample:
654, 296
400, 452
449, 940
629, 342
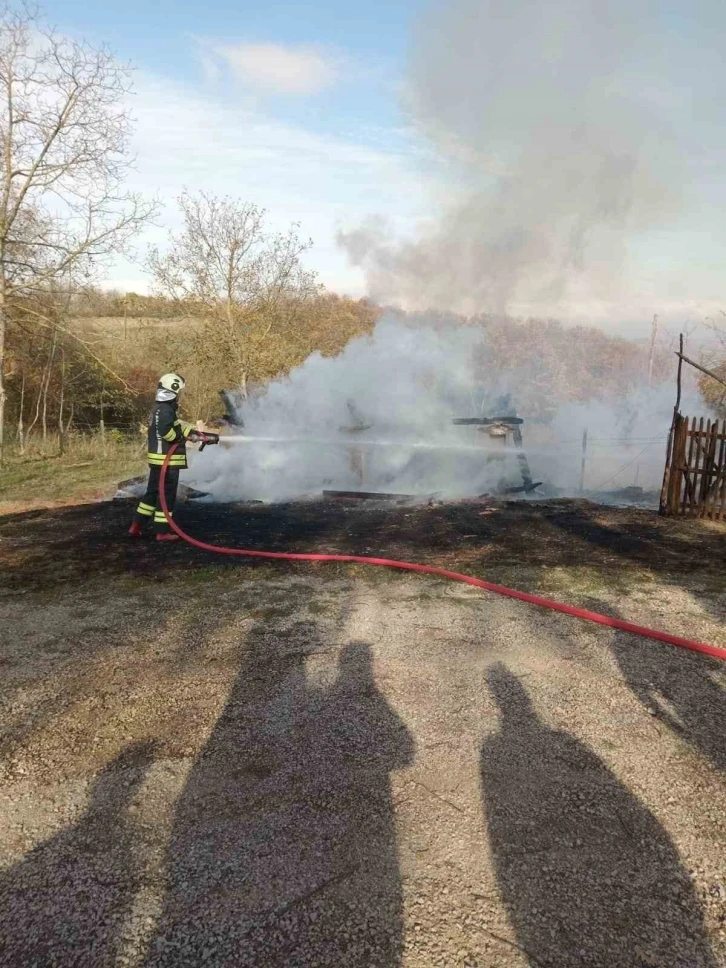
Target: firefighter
165, 429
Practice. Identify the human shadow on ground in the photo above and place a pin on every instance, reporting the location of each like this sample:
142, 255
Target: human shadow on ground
678, 688
667, 546
66, 902
678, 551
43, 682
587, 874
283, 850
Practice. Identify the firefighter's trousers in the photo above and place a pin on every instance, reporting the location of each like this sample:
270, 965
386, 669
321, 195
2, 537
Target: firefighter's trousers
149, 507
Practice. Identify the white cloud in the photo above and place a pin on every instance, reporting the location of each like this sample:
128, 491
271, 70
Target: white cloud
187, 139
277, 69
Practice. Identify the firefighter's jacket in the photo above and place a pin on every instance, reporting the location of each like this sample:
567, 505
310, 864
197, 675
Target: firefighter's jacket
165, 429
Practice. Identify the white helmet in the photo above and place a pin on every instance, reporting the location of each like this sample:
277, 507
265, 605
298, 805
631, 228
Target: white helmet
170, 386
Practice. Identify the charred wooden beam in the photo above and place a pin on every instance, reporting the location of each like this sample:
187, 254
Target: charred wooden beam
523, 462
525, 488
373, 496
486, 421
703, 369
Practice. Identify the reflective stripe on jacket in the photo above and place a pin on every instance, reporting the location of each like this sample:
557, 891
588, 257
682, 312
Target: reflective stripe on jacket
165, 429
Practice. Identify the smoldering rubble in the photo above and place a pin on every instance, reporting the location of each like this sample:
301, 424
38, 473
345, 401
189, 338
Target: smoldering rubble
381, 417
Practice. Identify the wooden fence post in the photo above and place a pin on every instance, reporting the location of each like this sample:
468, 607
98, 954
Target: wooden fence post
666, 505
676, 464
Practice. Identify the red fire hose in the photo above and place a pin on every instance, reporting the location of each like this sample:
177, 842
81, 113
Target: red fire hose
615, 623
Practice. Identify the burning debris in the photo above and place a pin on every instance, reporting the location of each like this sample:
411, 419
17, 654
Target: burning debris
416, 409
373, 496
504, 428
360, 442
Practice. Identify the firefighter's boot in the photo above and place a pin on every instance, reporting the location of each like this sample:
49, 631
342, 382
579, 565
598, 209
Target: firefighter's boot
135, 530
167, 537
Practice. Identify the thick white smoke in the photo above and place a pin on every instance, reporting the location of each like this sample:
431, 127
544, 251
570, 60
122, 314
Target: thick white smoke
573, 132
579, 138
379, 418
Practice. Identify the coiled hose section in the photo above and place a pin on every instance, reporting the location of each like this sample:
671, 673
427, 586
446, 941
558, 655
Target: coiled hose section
581, 613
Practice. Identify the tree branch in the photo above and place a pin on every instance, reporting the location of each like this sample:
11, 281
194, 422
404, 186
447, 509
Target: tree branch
50, 324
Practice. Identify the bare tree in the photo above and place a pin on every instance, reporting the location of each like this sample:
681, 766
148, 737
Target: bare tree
225, 268
64, 135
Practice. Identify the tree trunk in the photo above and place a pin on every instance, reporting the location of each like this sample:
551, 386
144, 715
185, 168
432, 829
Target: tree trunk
21, 441
39, 398
61, 401
102, 428
3, 327
37, 410
46, 387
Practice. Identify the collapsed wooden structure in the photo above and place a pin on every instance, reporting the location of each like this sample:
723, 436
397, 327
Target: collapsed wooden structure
502, 428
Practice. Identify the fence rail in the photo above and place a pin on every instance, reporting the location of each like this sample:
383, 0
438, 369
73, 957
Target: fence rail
695, 476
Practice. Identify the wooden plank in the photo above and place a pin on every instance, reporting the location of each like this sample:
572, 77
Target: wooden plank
699, 469
711, 469
714, 476
683, 478
716, 455
703, 369
689, 493
670, 472
696, 471
707, 478
676, 473
721, 512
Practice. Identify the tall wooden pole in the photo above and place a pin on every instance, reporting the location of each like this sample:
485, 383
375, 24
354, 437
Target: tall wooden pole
663, 509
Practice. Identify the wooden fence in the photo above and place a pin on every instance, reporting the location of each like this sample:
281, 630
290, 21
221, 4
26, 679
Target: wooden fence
695, 475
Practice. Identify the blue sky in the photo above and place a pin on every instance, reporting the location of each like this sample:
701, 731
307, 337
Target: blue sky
377, 29
371, 38
318, 137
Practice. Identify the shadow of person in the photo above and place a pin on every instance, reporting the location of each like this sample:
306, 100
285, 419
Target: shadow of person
66, 902
587, 874
676, 687
284, 846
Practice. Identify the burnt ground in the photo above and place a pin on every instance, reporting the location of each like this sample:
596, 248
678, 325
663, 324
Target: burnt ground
70, 544
234, 762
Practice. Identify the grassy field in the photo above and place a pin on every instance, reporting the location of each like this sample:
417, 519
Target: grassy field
90, 469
